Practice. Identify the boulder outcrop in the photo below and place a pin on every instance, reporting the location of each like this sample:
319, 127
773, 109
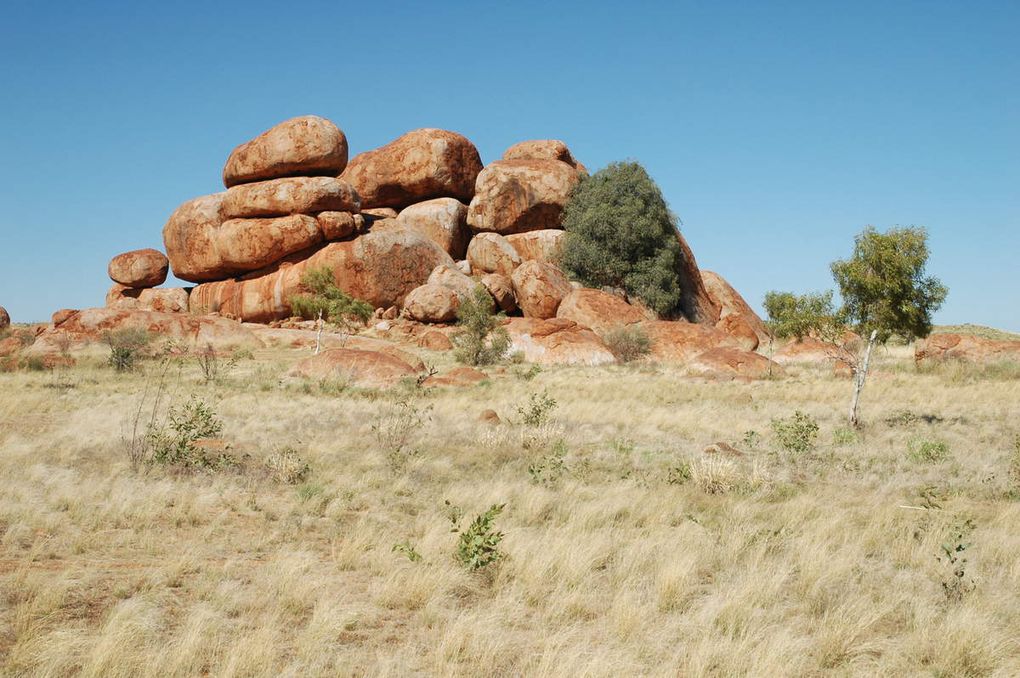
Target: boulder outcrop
361, 367
5, 318
139, 268
733, 363
543, 245
967, 347
542, 149
501, 288
491, 253
601, 311
444, 220
697, 304
515, 196
420, 165
291, 195
557, 342
681, 342
432, 303
732, 305
452, 278
539, 288
308, 145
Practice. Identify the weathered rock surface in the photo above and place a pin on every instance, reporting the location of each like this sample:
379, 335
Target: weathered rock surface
292, 195
682, 342
379, 213
89, 325
543, 245
432, 303
451, 277
491, 253
938, 347
515, 196
541, 149
5, 318
458, 376
501, 288
420, 165
190, 237
308, 145
380, 268
732, 305
539, 288
121, 296
600, 311
444, 220
164, 299
697, 304
738, 327
139, 268
251, 244
733, 363
557, 342
374, 369
338, 225
434, 340
806, 350
60, 316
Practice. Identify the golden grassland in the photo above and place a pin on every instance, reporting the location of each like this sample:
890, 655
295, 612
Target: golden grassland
628, 549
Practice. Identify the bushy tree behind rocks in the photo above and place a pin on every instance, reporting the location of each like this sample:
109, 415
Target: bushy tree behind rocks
621, 233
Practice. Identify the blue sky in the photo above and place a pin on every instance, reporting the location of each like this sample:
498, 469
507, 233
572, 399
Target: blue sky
776, 130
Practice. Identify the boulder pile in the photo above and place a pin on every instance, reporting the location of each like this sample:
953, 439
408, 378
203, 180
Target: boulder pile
413, 228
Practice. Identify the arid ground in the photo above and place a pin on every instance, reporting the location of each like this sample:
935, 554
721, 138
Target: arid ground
634, 544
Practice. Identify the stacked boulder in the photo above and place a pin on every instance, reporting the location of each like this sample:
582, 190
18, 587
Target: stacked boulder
414, 228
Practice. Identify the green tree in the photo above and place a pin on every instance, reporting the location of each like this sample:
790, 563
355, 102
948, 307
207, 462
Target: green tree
323, 301
884, 291
482, 339
621, 233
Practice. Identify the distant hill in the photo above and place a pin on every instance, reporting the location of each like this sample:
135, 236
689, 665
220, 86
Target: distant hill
978, 331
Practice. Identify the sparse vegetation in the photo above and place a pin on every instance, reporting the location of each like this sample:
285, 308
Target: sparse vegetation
928, 451
178, 442
478, 544
537, 410
481, 340
126, 346
628, 343
797, 433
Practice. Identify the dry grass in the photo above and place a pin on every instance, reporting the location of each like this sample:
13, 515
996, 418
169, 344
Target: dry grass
639, 554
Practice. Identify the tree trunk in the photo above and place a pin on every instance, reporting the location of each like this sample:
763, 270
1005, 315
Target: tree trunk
318, 334
860, 375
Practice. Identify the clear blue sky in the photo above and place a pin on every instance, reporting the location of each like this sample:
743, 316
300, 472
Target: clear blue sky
776, 130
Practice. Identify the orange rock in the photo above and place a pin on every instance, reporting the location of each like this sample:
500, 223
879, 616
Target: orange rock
308, 145
697, 304
458, 376
120, 296
515, 196
965, 347
380, 213
489, 417
164, 299
557, 342
600, 311
732, 304
139, 268
544, 245
491, 253
63, 314
452, 278
733, 363
682, 342
190, 237
541, 149
420, 165
539, 288
357, 366
434, 340
807, 350
251, 244
444, 220
501, 288
378, 267
737, 327
432, 303
291, 195
5, 318
337, 225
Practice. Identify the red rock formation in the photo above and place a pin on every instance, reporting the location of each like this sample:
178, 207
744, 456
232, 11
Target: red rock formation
601, 311
139, 268
432, 303
308, 145
539, 288
515, 196
544, 245
502, 290
420, 165
444, 220
541, 149
292, 195
361, 367
491, 253
557, 342
731, 305
733, 363
682, 342
969, 347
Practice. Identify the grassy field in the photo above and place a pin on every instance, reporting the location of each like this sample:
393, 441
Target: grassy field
628, 549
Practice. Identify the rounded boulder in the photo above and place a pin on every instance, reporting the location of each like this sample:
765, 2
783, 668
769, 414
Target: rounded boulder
139, 268
308, 146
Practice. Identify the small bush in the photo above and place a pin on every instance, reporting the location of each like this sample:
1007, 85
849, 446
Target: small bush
286, 466
126, 347
398, 429
551, 467
797, 433
323, 300
176, 443
679, 473
408, 550
478, 545
844, 436
628, 343
952, 555
538, 410
482, 340
927, 451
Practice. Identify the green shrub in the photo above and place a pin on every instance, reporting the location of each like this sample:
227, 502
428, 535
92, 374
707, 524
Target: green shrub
126, 347
482, 340
927, 451
844, 435
628, 343
478, 545
538, 410
797, 433
176, 442
322, 299
620, 233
